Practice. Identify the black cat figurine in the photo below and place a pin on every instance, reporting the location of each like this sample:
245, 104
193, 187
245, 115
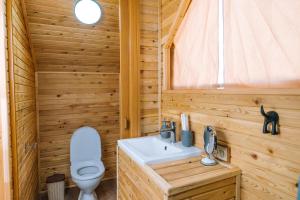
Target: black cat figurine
270, 117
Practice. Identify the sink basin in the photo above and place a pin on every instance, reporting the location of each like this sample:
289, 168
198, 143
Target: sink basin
153, 150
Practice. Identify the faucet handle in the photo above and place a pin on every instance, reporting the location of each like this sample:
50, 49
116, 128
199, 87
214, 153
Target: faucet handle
164, 124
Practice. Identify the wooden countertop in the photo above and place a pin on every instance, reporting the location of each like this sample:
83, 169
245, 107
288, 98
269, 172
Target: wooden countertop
182, 175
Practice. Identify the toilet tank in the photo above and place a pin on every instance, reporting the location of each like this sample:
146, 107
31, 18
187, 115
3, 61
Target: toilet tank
85, 145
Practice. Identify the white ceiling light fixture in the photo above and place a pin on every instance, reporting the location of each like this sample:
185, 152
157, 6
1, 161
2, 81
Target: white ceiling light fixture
88, 11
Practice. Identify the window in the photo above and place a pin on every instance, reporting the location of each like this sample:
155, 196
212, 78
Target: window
87, 11
195, 54
249, 43
262, 43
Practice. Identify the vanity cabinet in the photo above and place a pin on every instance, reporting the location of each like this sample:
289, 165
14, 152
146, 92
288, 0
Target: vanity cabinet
176, 180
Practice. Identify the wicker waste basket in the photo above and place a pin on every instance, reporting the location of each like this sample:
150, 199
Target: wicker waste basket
56, 187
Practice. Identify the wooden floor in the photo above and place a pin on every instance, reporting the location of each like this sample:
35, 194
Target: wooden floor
107, 190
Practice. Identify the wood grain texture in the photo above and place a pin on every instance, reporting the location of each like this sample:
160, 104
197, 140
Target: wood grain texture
78, 80
5, 160
139, 71
269, 164
22, 103
133, 182
148, 66
2, 180
62, 43
134, 73
78, 77
124, 69
181, 179
188, 178
68, 101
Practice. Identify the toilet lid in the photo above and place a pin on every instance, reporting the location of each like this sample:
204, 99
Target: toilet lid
85, 145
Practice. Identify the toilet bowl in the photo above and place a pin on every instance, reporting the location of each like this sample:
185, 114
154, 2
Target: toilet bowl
87, 169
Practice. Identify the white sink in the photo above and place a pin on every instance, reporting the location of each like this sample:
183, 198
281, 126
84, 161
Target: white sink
153, 150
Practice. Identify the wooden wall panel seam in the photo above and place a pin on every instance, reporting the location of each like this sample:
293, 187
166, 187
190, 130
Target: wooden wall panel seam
12, 98
22, 105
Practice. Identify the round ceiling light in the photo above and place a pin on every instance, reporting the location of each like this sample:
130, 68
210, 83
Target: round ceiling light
88, 11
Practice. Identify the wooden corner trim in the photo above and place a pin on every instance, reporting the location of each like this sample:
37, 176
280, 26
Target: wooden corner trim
183, 7
167, 54
23, 5
129, 69
12, 100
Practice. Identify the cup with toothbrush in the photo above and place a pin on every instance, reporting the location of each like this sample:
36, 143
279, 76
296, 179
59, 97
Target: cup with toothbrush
186, 134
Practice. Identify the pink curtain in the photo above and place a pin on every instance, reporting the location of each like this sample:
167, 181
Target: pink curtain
262, 43
195, 55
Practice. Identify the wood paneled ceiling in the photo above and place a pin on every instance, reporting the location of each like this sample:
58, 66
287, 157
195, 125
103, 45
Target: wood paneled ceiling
62, 43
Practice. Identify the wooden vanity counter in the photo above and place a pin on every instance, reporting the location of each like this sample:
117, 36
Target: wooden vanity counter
182, 179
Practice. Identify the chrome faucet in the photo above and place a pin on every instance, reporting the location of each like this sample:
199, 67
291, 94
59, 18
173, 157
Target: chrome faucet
173, 132
173, 137
168, 131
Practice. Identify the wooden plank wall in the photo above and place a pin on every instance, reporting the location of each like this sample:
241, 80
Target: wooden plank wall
134, 182
148, 66
78, 81
78, 78
270, 164
6, 187
68, 101
25, 106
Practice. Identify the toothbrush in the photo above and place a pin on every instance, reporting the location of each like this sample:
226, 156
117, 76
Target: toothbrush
184, 122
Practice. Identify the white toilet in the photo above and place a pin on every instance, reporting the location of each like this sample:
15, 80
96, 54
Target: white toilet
87, 168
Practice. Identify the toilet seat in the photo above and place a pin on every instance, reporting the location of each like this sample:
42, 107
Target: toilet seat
87, 170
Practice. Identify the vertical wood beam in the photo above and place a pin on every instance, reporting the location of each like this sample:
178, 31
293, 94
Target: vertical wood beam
37, 129
2, 96
134, 70
167, 69
160, 63
124, 69
12, 100
129, 69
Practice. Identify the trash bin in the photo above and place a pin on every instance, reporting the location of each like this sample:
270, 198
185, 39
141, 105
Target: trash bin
56, 187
